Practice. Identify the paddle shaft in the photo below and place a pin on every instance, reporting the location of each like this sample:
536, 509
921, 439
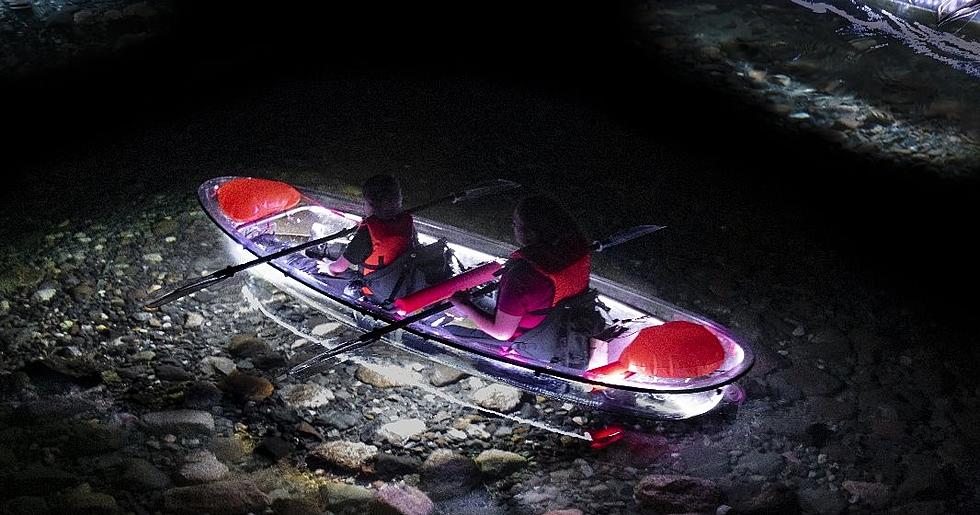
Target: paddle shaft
376, 334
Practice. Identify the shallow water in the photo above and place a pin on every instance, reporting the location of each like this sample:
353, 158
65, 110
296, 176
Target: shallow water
880, 80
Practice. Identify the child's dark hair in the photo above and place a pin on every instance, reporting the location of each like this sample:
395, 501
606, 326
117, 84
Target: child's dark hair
384, 194
547, 222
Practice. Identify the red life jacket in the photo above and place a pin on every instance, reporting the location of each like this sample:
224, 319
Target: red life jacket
569, 278
389, 240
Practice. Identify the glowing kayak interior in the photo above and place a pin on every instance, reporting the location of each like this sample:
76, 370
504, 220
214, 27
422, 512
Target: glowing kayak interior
268, 229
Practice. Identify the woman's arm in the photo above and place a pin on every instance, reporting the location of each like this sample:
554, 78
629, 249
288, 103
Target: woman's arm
499, 325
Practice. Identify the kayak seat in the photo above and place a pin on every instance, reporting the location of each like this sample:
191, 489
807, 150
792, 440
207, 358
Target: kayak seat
419, 268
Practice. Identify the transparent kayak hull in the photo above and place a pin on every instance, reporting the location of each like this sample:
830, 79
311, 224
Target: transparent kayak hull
639, 395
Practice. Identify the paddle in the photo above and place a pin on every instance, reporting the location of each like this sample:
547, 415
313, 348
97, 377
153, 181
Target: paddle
375, 335
484, 189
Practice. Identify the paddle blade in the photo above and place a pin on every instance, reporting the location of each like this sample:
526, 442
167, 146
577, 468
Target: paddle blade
626, 235
186, 289
494, 187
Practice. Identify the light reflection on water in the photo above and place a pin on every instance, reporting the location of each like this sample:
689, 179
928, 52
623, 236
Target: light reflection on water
948, 45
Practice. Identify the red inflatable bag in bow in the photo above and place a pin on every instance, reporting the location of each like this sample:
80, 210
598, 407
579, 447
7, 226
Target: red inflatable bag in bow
247, 199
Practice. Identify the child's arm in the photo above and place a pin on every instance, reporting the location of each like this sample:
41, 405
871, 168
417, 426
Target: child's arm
333, 268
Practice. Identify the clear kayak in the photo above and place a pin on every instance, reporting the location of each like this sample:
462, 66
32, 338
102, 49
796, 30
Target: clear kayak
275, 223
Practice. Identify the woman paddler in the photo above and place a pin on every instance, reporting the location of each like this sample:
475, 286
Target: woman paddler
384, 234
552, 266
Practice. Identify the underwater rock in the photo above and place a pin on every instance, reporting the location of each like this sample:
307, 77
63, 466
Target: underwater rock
179, 422
202, 395
201, 467
766, 464
218, 498
83, 501
446, 474
167, 372
441, 375
400, 430
497, 463
44, 295
275, 448
922, 475
404, 499
248, 346
822, 501
677, 494
247, 386
221, 364
347, 455
498, 397
389, 465
345, 498
771, 498
193, 320
812, 381
138, 474
326, 328
386, 376
306, 395
873, 495
230, 449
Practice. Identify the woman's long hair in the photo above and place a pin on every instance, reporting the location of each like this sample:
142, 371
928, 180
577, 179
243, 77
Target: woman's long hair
384, 194
546, 222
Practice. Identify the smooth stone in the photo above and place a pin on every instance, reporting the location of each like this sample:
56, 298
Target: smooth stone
306, 395
83, 501
221, 364
345, 498
194, 320
404, 499
275, 448
248, 346
218, 498
445, 474
441, 375
44, 295
873, 495
497, 463
386, 376
822, 501
139, 474
389, 465
325, 329
399, 431
677, 494
179, 422
348, 455
201, 467
248, 387
498, 397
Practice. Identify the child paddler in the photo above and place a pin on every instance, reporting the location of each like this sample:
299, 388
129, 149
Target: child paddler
384, 234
